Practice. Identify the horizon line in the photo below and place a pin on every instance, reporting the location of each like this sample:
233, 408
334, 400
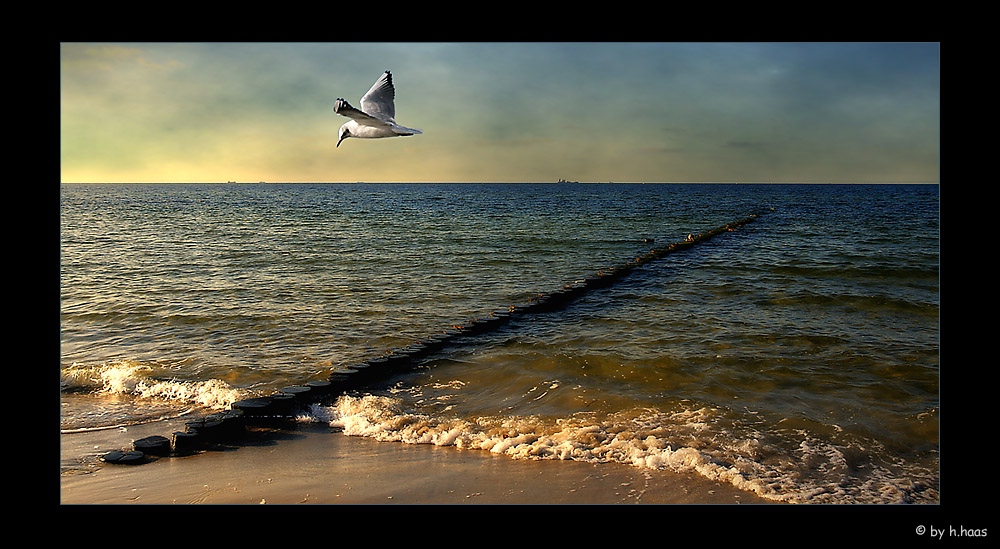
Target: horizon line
561, 182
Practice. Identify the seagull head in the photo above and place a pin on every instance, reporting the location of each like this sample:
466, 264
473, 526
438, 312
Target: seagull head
343, 134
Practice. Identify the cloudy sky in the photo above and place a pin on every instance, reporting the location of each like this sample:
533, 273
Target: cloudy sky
504, 112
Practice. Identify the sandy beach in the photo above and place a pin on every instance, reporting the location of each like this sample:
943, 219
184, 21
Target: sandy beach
314, 464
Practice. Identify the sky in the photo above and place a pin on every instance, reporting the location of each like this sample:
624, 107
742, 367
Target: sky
504, 112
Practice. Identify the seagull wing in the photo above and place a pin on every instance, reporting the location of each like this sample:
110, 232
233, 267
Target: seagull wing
379, 101
344, 108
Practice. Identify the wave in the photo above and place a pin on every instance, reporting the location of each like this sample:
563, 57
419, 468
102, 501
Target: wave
685, 440
90, 429
131, 378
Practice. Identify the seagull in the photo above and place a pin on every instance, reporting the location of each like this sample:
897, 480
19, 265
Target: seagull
377, 115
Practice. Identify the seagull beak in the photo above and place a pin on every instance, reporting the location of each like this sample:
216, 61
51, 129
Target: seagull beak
339, 140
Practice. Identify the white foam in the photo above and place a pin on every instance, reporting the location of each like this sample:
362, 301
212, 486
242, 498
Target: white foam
126, 377
642, 438
578, 439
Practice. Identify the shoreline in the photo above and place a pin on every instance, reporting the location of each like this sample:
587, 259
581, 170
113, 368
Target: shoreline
314, 464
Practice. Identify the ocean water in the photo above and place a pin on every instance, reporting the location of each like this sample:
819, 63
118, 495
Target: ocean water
796, 357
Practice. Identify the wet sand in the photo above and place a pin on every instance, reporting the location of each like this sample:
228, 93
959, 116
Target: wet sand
314, 464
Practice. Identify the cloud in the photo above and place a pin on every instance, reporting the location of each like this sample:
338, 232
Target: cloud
492, 111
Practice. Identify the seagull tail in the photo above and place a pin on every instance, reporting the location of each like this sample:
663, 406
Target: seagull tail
403, 130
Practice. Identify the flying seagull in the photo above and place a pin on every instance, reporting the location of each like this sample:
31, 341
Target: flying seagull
377, 115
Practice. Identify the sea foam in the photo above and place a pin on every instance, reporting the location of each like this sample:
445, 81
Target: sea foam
131, 378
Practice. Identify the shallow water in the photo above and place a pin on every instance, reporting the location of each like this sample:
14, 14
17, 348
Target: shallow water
796, 357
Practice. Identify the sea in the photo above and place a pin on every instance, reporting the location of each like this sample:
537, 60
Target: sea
796, 357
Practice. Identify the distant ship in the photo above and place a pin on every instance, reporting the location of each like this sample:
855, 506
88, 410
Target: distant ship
564, 181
